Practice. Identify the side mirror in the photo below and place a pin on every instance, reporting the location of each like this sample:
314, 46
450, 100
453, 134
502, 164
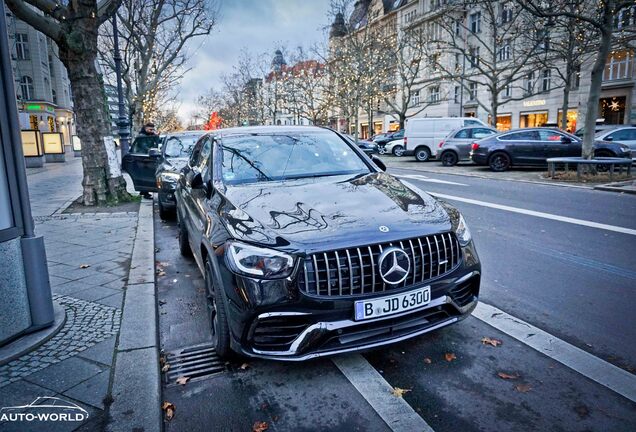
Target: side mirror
154, 152
198, 183
566, 140
378, 162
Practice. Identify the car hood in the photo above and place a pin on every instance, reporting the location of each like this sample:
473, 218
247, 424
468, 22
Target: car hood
309, 215
172, 164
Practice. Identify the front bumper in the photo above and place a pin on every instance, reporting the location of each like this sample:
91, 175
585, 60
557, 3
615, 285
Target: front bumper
273, 320
167, 197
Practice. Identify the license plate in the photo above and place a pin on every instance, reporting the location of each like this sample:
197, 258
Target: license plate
389, 305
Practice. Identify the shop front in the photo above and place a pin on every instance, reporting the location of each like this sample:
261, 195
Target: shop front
504, 122
572, 117
612, 109
533, 119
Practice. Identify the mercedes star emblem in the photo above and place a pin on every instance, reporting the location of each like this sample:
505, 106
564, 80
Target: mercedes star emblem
384, 228
394, 265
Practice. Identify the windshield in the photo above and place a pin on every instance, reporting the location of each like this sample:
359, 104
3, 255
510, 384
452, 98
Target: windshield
266, 157
180, 146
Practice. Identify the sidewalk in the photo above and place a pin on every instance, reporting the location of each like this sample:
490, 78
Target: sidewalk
89, 258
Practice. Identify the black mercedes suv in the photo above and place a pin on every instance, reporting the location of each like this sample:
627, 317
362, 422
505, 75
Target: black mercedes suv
309, 248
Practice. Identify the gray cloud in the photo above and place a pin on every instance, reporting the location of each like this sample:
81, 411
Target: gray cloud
259, 26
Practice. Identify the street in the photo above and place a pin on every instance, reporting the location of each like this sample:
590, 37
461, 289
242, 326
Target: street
564, 273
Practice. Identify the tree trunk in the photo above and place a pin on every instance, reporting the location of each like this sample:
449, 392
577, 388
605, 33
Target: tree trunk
564, 106
595, 85
102, 182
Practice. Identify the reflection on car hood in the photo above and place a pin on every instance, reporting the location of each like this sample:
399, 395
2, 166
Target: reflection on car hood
173, 164
330, 212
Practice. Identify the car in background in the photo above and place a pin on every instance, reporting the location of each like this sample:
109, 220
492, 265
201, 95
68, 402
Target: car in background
423, 134
395, 147
533, 146
456, 146
622, 134
175, 152
597, 129
369, 147
310, 249
390, 136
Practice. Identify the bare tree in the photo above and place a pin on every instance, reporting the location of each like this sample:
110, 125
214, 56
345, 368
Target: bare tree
493, 45
73, 27
155, 36
601, 15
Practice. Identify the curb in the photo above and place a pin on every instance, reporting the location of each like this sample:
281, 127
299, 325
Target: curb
616, 189
135, 390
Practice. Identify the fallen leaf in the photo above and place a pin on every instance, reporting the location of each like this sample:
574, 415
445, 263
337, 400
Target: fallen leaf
83, 266
244, 366
399, 392
491, 341
450, 357
523, 388
165, 367
161, 273
183, 380
169, 408
507, 376
260, 426
427, 360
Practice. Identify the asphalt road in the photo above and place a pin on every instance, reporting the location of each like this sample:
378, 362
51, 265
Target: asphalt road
572, 279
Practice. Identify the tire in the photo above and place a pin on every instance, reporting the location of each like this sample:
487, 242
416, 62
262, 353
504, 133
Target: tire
449, 158
219, 326
422, 154
381, 149
164, 213
398, 151
184, 244
499, 161
603, 153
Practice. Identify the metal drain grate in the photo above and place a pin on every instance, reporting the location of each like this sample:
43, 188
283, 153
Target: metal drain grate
196, 362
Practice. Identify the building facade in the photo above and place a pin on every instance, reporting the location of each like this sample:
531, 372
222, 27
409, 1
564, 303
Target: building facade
43, 89
453, 85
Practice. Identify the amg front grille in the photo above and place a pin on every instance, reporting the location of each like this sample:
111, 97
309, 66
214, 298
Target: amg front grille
355, 271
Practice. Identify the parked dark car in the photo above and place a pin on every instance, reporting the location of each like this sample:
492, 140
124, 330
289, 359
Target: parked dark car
308, 248
141, 162
532, 146
369, 147
456, 146
389, 137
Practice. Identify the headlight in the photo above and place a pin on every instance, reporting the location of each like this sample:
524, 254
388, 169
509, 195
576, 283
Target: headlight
259, 262
462, 232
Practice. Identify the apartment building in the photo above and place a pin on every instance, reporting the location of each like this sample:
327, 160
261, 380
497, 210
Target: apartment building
41, 81
454, 84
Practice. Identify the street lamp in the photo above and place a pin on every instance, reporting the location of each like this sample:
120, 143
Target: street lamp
122, 121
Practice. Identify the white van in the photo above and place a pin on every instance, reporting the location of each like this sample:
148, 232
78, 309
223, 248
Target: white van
423, 134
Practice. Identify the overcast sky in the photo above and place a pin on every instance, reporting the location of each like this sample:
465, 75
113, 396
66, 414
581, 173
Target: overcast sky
259, 26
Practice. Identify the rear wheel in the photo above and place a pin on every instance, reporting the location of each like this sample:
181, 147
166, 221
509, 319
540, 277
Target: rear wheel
603, 153
449, 158
165, 213
422, 154
398, 150
499, 162
217, 314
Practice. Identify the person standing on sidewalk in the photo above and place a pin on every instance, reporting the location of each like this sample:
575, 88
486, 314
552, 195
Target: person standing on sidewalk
148, 130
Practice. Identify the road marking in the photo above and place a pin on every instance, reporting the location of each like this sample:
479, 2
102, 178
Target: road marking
395, 412
427, 179
588, 365
582, 222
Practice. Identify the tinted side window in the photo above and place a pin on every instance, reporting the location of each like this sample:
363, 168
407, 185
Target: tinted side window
142, 144
547, 135
482, 132
471, 122
625, 135
522, 136
463, 133
196, 151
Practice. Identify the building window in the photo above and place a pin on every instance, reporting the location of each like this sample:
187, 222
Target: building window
475, 22
22, 46
473, 56
529, 87
47, 88
415, 97
543, 40
545, 80
434, 94
458, 27
54, 94
458, 63
456, 94
503, 53
472, 91
507, 91
26, 87
618, 66
575, 79
626, 17
506, 13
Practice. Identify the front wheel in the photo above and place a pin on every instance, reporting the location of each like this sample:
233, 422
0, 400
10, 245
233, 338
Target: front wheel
422, 154
449, 158
217, 313
398, 150
184, 244
603, 153
499, 162
381, 149
164, 213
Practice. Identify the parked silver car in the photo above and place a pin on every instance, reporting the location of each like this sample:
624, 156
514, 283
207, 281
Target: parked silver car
456, 146
621, 134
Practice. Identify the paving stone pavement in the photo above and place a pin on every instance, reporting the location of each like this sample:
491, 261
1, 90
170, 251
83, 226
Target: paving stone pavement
88, 259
